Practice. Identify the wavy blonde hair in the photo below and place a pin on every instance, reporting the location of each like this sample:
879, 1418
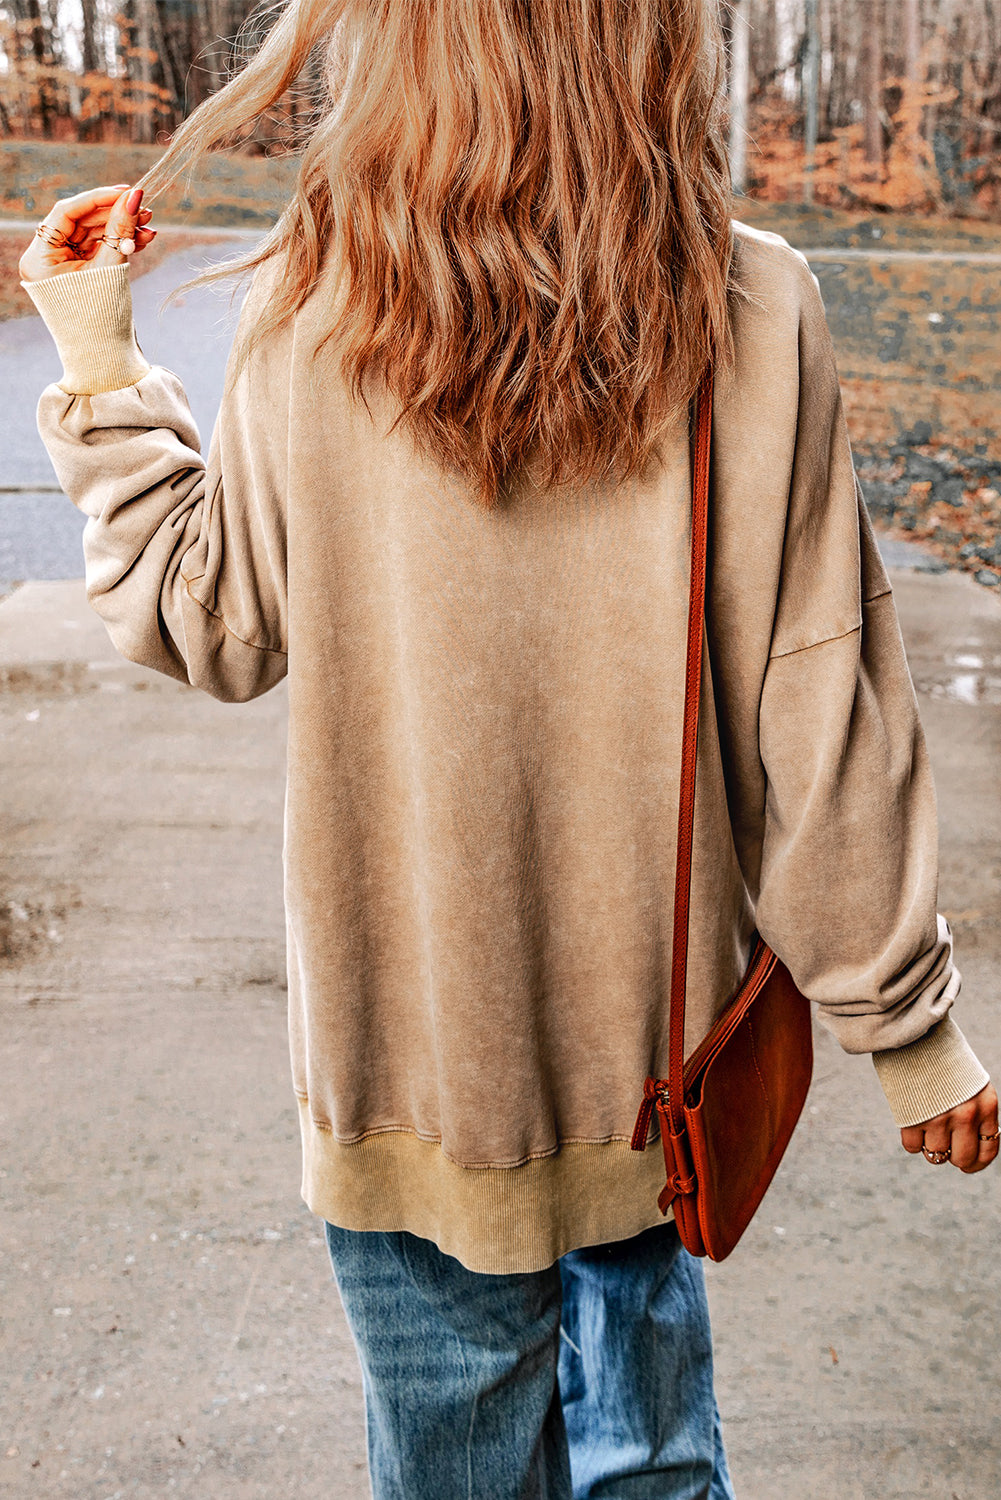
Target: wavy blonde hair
528, 207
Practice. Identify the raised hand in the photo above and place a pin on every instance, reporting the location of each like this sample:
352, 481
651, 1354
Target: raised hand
101, 227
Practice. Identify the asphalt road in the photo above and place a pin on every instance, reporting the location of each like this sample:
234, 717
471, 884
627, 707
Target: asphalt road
169, 1321
39, 528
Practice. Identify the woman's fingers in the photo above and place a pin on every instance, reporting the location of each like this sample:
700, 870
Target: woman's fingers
937, 1144
967, 1136
118, 240
76, 231
144, 237
66, 214
94, 243
988, 1134
964, 1147
99, 216
988, 1151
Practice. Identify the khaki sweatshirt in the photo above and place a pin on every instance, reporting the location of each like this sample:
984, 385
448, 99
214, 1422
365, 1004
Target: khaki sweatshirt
484, 747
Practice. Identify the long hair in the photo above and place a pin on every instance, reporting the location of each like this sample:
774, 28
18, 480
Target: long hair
527, 207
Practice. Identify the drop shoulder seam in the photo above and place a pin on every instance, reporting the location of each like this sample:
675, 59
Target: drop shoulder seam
829, 639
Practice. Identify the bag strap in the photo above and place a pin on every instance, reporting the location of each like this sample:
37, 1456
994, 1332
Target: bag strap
689, 746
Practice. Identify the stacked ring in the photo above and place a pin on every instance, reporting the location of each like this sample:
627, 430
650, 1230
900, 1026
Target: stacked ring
993, 1137
118, 242
55, 237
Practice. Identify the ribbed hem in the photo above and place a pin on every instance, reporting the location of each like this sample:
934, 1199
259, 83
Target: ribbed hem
89, 314
931, 1075
498, 1220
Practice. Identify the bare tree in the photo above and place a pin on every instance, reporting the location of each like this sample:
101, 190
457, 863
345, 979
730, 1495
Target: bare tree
145, 58
740, 87
811, 96
912, 40
872, 78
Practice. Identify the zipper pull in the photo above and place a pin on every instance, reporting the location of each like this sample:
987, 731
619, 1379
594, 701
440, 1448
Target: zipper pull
654, 1093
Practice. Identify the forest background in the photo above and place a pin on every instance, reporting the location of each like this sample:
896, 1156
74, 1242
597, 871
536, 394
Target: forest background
868, 132
874, 104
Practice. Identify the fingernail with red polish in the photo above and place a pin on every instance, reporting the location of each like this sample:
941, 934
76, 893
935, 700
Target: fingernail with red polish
133, 201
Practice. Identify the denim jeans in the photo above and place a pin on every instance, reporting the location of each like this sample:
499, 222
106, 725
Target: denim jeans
591, 1378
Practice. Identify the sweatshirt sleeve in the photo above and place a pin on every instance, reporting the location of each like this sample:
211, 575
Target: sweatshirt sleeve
185, 556
849, 872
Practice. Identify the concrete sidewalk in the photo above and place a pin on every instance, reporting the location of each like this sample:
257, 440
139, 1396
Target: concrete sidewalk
171, 1323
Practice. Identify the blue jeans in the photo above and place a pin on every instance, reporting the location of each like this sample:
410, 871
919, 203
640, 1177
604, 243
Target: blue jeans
591, 1378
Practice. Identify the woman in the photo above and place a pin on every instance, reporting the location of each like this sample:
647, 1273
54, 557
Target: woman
448, 494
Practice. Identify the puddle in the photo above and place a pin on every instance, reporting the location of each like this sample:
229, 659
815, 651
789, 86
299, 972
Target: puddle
27, 924
968, 676
48, 678
51, 679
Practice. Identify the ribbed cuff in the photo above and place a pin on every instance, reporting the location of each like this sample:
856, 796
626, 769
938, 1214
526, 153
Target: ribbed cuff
89, 314
931, 1075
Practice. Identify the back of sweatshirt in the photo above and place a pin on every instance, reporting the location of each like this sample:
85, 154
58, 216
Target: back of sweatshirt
484, 751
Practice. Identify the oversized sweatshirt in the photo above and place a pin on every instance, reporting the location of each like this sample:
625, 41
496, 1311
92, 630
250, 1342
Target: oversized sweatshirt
484, 747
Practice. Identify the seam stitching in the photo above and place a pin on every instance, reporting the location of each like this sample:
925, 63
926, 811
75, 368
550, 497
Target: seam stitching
272, 650
429, 1140
754, 1059
872, 599
827, 641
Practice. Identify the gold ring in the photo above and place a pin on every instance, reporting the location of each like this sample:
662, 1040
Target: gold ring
991, 1137
60, 241
936, 1157
118, 242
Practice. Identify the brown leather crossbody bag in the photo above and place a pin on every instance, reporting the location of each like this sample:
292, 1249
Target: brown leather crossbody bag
726, 1115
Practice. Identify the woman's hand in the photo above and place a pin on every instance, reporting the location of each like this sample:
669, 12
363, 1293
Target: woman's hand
966, 1136
75, 232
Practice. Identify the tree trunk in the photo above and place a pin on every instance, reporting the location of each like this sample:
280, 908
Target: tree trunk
764, 44
740, 88
92, 60
811, 98
217, 49
144, 74
174, 66
913, 96
838, 91
912, 41
89, 36
38, 49
872, 80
